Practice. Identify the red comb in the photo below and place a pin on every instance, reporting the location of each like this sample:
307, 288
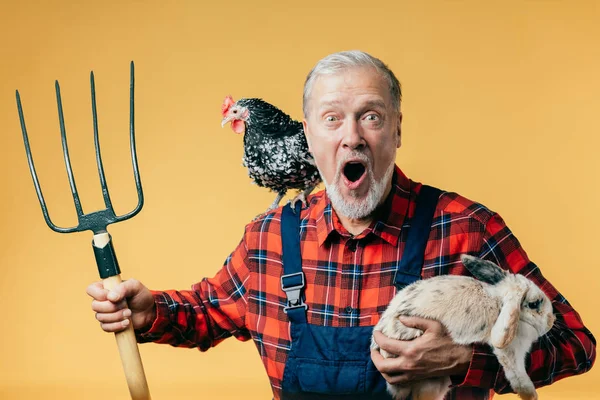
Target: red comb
227, 103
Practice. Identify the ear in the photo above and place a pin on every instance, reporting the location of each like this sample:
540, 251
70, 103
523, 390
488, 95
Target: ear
505, 328
306, 134
483, 270
399, 133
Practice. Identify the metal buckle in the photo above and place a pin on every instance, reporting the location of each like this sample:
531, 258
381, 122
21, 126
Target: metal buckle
293, 293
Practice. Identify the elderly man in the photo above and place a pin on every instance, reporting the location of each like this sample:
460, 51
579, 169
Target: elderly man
307, 286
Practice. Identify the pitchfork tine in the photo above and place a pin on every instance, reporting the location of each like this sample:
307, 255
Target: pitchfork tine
36, 182
136, 173
105, 193
63, 136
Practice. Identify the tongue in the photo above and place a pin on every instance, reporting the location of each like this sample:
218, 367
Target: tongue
354, 171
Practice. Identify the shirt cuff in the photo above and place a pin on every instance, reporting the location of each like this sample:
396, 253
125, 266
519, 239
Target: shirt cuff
155, 331
482, 371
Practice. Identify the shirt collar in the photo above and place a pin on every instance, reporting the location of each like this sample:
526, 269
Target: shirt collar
387, 225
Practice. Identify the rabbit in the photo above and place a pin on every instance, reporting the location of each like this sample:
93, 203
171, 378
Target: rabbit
507, 311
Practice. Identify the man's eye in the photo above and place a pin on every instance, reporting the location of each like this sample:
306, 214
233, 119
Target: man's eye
330, 118
372, 117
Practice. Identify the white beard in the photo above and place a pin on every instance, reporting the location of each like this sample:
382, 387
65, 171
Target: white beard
353, 207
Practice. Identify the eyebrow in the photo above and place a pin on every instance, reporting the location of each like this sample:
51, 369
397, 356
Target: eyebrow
374, 104
367, 105
329, 103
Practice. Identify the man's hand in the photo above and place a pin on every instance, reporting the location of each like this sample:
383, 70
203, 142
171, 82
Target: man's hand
111, 309
432, 354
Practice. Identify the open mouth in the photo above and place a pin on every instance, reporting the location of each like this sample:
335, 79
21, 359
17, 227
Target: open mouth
354, 170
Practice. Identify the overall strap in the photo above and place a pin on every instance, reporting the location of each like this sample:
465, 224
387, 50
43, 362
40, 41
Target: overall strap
292, 280
412, 260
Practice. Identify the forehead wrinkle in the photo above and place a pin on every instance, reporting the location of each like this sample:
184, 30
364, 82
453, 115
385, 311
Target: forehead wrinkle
360, 106
350, 87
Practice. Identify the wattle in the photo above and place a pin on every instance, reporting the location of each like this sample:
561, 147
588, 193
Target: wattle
238, 126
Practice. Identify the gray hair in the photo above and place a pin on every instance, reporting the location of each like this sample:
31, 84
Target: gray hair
344, 60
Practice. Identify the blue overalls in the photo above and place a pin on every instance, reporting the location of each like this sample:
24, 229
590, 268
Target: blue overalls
327, 362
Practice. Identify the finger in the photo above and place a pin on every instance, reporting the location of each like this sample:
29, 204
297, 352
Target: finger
118, 316
423, 324
125, 289
393, 346
376, 357
96, 291
107, 306
389, 368
379, 337
117, 293
115, 326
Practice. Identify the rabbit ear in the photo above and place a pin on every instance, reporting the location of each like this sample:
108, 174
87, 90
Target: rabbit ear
506, 325
483, 270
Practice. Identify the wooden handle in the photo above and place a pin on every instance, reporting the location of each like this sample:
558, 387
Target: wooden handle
128, 348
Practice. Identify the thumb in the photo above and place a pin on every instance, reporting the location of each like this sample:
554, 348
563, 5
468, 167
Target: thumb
122, 290
420, 323
125, 290
117, 293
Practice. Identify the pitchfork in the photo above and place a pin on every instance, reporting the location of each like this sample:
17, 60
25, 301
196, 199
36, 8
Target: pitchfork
97, 222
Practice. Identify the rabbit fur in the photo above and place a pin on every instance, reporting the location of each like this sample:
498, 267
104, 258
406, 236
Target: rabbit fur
506, 311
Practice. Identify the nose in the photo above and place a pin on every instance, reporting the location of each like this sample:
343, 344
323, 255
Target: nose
353, 136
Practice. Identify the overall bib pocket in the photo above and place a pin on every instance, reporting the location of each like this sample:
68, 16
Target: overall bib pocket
331, 377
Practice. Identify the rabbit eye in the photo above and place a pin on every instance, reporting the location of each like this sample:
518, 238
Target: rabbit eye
534, 304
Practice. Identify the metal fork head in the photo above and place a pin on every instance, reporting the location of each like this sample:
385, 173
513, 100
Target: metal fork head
96, 221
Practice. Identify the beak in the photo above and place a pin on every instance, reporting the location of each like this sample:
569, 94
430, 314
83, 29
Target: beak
225, 121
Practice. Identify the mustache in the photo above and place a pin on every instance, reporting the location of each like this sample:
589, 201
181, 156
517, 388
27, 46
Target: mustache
354, 155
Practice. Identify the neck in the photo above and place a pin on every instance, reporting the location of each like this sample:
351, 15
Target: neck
355, 226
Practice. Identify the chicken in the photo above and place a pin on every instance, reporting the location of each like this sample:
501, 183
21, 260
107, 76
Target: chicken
275, 149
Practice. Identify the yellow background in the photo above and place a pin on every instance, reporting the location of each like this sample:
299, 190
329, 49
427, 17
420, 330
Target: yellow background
500, 104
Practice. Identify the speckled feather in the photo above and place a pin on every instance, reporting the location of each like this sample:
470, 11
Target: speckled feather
275, 149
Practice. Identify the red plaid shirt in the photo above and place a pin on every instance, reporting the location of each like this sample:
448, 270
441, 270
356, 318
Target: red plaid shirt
350, 281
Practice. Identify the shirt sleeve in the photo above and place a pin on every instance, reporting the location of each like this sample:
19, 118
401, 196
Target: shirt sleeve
214, 308
569, 347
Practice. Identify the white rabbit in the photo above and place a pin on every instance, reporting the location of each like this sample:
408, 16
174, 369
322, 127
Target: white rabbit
507, 311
